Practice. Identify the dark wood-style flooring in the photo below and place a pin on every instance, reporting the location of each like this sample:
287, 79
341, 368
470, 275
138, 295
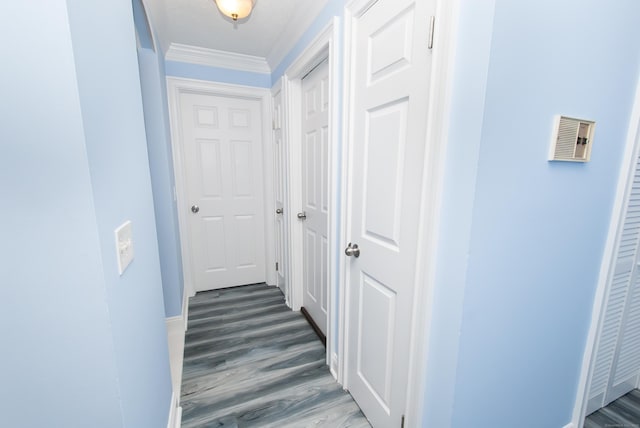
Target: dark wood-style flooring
249, 361
622, 413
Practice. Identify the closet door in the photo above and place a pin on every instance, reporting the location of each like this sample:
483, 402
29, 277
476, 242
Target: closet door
617, 356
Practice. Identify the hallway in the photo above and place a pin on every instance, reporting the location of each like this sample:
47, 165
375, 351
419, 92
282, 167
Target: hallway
250, 361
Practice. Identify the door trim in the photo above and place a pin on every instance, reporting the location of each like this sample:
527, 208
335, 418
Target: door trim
177, 86
324, 46
281, 122
442, 67
608, 259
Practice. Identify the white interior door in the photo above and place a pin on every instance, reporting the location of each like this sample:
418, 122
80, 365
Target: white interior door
222, 150
391, 68
315, 187
280, 162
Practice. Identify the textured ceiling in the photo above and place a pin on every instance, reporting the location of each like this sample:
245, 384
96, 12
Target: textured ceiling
272, 27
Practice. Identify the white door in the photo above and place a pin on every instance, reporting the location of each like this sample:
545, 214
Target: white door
315, 204
280, 162
224, 178
391, 69
616, 367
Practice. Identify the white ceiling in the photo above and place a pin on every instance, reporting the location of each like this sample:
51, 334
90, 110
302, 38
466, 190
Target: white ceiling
269, 32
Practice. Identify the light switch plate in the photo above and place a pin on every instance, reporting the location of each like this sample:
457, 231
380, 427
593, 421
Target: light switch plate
124, 246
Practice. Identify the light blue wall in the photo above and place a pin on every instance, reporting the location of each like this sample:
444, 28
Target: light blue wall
215, 74
142, 26
531, 233
333, 8
57, 356
156, 116
104, 47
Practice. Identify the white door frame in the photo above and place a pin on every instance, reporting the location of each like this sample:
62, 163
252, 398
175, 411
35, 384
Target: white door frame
177, 86
280, 122
324, 46
606, 268
436, 141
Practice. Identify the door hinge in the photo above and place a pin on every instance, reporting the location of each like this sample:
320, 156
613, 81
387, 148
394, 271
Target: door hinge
276, 266
402, 422
273, 124
432, 23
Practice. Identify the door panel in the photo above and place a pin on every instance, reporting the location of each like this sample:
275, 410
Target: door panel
377, 314
390, 98
384, 150
224, 178
315, 132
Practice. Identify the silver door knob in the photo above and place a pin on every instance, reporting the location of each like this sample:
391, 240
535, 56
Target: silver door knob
352, 250
279, 211
195, 209
302, 215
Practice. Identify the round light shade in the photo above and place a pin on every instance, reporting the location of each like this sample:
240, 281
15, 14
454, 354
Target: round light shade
235, 9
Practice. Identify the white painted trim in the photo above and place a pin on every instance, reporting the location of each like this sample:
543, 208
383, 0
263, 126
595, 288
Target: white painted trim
288, 208
173, 322
333, 366
335, 243
630, 154
321, 48
278, 87
438, 116
351, 10
346, 137
440, 95
291, 93
302, 18
175, 413
175, 342
185, 309
269, 189
216, 58
569, 425
177, 86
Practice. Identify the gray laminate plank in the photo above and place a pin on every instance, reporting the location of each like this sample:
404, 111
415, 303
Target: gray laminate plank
251, 362
623, 412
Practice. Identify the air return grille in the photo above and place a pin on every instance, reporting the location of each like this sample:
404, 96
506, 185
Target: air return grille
572, 139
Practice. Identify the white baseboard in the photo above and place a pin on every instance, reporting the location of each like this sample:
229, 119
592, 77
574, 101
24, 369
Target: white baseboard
333, 367
175, 413
175, 340
185, 309
173, 324
569, 425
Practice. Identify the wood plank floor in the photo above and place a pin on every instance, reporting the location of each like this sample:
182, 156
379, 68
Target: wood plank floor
249, 361
622, 413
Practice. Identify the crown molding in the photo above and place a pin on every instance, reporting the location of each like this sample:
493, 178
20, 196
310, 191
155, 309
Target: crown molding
216, 58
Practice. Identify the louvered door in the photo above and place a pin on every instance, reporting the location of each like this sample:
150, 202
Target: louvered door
617, 356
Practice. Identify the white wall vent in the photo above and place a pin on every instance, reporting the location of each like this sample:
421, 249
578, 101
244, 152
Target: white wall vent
572, 139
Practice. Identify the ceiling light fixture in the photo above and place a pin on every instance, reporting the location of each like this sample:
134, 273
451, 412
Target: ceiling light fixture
235, 9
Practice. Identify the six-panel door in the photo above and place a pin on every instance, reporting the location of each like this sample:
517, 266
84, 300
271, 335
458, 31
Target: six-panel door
224, 175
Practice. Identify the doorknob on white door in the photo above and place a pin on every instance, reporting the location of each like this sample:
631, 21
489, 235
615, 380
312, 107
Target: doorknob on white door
302, 215
279, 211
195, 209
352, 250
